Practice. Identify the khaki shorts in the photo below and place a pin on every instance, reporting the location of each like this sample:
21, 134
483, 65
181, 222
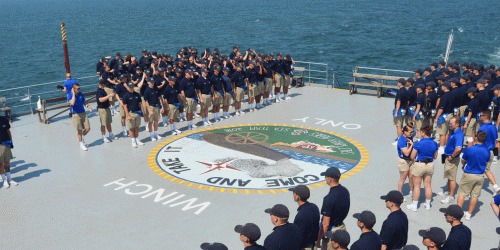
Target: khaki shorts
105, 116
81, 121
145, 107
155, 116
218, 98
240, 94
398, 121
404, 165
5, 154
226, 101
254, 91
488, 165
173, 112
451, 168
260, 88
420, 169
137, 90
191, 105
207, 101
287, 81
110, 91
419, 123
268, 84
461, 110
279, 80
135, 122
471, 127
444, 128
326, 242
470, 185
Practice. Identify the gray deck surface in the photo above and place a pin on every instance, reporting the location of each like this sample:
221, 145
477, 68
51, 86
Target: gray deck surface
61, 201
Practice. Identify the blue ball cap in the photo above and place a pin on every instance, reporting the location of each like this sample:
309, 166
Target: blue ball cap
123, 76
366, 217
428, 69
171, 78
454, 211
474, 90
435, 234
431, 84
341, 237
420, 86
103, 81
213, 246
446, 84
442, 62
455, 80
393, 196
225, 69
441, 77
178, 70
410, 247
250, 230
435, 64
487, 77
332, 172
278, 210
217, 67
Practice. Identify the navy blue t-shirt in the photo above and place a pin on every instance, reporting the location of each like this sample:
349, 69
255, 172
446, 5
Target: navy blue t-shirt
216, 80
307, 219
336, 205
402, 96
4, 126
133, 101
238, 79
285, 237
121, 90
412, 95
227, 83
101, 93
446, 103
277, 66
204, 85
432, 98
251, 75
255, 247
367, 241
474, 107
394, 232
484, 99
459, 238
151, 95
260, 77
187, 85
171, 95
420, 101
268, 67
287, 67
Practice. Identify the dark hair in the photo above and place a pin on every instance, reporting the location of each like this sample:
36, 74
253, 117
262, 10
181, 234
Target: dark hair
427, 129
75, 84
457, 119
486, 113
481, 136
407, 128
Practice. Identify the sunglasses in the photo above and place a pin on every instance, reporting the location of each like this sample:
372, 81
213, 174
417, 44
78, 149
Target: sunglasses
77, 88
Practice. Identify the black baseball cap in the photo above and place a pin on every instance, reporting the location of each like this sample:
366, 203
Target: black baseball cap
225, 69
151, 79
496, 87
279, 54
436, 234
474, 90
278, 210
302, 191
144, 51
171, 78
466, 64
341, 237
428, 69
103, 81
454, 211
420, 86
130, 84
435, 64
498, 230
204, 70
122, 76
250, 230
118, 54
431, 84
487, 77
455, 80
213, 246
332, 172
447, 71
367, 217
442, 62
410, 247
393, 196
446, 84
217, 67
481, 81
178, 70
465, 77
441, 77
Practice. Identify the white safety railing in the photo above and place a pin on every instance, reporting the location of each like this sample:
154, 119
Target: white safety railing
314, 71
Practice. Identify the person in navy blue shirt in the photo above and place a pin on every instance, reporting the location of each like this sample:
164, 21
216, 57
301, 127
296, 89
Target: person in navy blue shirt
188, 92
335, 207
428, 76
205, 89
424, 153
401, 103
394, 232
460, 235
132, 106
369, 239
249, 235
492, 137
121, 90
433, 238
444, 114
172, 104
238, 80
278, 75
102, 99
285, 236
152, 99
412, 96
251, 82
268, 79
307, 218
218, 94
419, 108
77, 102
5, 153
228, 88
474, 160
213, 246
405, 146
471, 116
483, 95
418, 77
452, 153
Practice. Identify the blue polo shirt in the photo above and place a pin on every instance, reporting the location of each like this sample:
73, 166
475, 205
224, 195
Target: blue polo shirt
336, 205
307, 219
412, 95
456, 140
277, 66
484, 99
458, 239
285, 237
367, 241
133, 101
151, 95
171, 95
425, 148
473, 107
446, 103
204, 85
476, 157
4, 127
402, 143
268, 67
238, 79
187, 85
394, 232
492, 134
432, 97
68, 84
79, 100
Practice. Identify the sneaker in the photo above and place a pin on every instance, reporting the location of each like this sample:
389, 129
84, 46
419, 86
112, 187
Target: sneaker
237, 113
13, 183
446, 193
197, 115
194, 126
277, 100
251, 110
178, 131
205, 124
404, 199
221, 118
242, 113
497, 192
209, 123
395, 143
83, 147
495, 160
427, 206
412, 207
448, 200
153, 138
134, 145
105, 139
165, 124
288, 98
140, 143
5, 184
467, 215
159, 137
147, 129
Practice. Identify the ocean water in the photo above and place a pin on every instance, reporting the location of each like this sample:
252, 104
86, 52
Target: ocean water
401, 35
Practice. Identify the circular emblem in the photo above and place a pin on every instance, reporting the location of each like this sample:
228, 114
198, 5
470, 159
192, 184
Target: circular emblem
256, 158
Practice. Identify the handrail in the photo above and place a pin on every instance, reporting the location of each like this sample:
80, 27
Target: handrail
395, 70
41, 84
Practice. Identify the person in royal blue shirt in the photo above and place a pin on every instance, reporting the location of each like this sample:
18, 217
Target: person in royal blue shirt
460, 235
474, 160
492, 137
335, 207
452, 152
424, 153
405, 146
79, 117
394, 232
495, 205
401, 103
67, 85
369, 239
249, 235
307, 218
285, 236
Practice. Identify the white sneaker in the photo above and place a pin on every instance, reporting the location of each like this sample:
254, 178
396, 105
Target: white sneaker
251, 110
404, 199
209, 123
178, 131
448, 200
412, 207
242, 113
237, 113
497, 192
197, 115
105, 139
467, 215
147, 129
395, 143
427, 206
277, 100
205, 124
83, 147
288, 98
165, 124
153, 138
221, 118
13, 183
5, 184
134, 145
446, 193
194, 126
139, 143
174, 132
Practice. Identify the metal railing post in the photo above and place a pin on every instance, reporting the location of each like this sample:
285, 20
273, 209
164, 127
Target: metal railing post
29, 96
327, 76
309, 74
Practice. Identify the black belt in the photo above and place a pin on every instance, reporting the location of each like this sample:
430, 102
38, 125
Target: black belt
424, 161
406, 159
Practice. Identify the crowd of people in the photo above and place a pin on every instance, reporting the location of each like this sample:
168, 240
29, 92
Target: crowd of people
160, 87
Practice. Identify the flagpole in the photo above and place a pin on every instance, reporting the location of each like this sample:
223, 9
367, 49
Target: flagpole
448, 47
